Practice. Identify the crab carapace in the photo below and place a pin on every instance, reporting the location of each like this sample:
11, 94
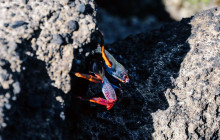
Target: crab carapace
112, 66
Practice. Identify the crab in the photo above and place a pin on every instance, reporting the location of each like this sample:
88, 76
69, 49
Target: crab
107, 88
114, 69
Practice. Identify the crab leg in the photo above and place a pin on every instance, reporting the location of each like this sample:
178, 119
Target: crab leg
108, 103
95, 79
107, 61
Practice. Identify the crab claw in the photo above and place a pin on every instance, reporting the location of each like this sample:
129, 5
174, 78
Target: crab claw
109, 106
108, 103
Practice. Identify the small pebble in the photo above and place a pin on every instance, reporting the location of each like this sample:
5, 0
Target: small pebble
4, 76
16, 5
36, 4
29, 7
80, 50
13, 14
197, 77
16, 87
4, 124
210, 15
59, 99
197, 117
8, 106
81, 8
184, 84
206, 82
217, 28
62, 116
56, 17
6, 24
57, 39
196, 50
7, 95
14, 98
72, 25
87, 54
17, 24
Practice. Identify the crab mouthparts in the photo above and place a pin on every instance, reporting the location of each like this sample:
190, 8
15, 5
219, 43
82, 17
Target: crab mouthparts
127, 79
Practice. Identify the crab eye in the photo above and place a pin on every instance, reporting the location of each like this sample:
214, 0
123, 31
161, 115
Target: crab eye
126, 79
125, 76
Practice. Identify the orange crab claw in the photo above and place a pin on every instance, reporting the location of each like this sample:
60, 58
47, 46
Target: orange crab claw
89, 77
108, 103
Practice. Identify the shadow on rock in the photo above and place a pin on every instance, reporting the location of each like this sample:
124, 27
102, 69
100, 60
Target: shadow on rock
35, 113
139, 8
76, 108
153, 61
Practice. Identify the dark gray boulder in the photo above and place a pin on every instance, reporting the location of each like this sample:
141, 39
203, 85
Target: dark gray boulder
174, 72
35, 62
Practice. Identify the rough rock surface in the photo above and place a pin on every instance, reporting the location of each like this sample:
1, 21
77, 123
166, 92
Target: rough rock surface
174, 71
37, 42
174, 87
194, 102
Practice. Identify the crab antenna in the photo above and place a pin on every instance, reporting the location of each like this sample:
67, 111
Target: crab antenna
107, 61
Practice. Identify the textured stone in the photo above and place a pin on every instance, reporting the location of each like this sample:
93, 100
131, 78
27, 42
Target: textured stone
200, 107
174, 72
35, 65
72, 25
57, 39
17, 24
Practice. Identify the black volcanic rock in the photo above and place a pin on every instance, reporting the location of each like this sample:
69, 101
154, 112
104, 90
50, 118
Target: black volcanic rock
173, 92
37, 53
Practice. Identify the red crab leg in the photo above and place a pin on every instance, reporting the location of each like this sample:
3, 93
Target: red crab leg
107, 61
89, 77
108, 103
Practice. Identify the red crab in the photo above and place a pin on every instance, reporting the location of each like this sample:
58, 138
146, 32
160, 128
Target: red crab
113, 68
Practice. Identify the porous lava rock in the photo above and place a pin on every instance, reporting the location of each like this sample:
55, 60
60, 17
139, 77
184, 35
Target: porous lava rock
173, 92
38, 43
